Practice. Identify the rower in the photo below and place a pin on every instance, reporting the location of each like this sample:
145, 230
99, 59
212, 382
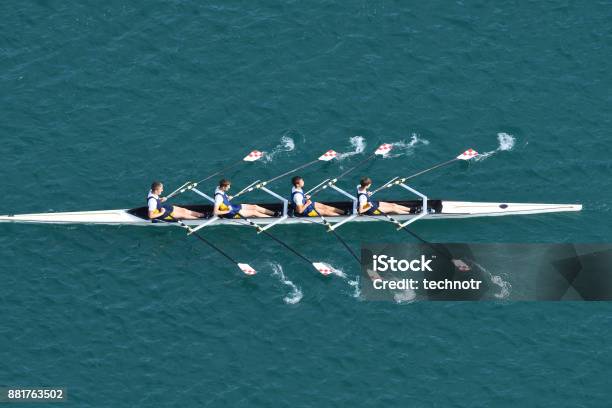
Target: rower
224, 208
302, 205
369, 207
166, 212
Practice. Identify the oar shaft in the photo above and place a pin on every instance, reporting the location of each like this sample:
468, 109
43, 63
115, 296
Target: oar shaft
403, 179
335, 179
431, 168
188, 185
361, 163
221, 171
216, 248
339, 238
257, 185
291, 171
253, 224
175, 192
317, 186
246, 189
429, 244
201, 238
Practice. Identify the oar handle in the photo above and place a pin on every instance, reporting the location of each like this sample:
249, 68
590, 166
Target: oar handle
190, 184
335, 180
245, 189
249, 188
324, 186
396, 181
388, 184
317, 186
186, 186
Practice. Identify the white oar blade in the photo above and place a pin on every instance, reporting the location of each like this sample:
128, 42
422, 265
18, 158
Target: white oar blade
329, 155
383, 149
247, 269
324, 269
468, 154
253, 156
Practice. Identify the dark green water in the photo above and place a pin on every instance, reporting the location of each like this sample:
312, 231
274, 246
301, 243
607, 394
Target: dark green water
97, 99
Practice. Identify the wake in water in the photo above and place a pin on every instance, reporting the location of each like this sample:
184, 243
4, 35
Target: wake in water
286, 144
295, 295
504, 286
505, 143
358, 143
352, 283
406, 148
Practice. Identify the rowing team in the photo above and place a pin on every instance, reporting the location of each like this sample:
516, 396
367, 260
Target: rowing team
300, 203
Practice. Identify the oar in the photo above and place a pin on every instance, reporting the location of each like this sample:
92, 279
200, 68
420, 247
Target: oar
251, 157
382, 150
467, 155
338, 237
244, 189
429, 244
323, 268
327, 156
246, 268
317, 186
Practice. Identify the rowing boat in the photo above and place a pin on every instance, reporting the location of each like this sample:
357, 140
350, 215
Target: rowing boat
423, 208
436, 209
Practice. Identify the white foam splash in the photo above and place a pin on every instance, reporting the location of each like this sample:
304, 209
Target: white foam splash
404, 296
286, 144
296, 294
505, 143
497, 280
358, 143
406, 148
352, 283
355, 285
338, 272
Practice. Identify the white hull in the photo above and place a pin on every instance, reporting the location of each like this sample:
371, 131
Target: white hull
450, 209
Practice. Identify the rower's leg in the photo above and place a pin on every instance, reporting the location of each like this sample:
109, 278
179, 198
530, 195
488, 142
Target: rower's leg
263, 210
257, 209
327, 210
248, 212
401, 209
391, 208
185, 214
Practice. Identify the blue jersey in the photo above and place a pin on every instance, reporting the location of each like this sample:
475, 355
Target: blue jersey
309, 211
373, 205
158, 208
226, 204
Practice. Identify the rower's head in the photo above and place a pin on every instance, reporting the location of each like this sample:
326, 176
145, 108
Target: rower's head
157, 187
224, 184
297, 181
365, 183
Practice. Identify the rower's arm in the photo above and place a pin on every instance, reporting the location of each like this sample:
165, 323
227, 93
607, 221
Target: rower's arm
218, 203
217, 211
301, 207
153, 213
364, 208
157, 214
